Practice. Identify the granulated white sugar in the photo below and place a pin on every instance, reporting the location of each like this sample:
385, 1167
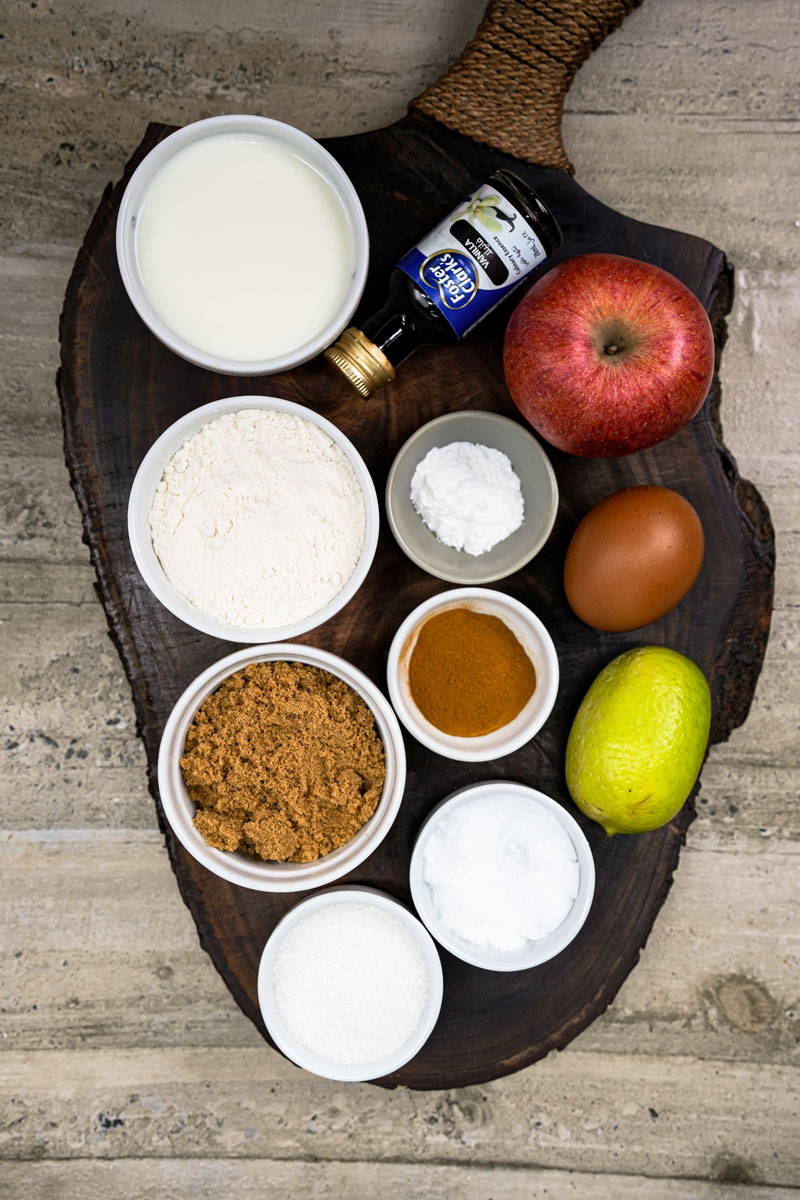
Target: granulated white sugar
502, 871
350, 982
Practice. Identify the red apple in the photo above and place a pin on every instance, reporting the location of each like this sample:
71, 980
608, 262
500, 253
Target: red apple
606, 355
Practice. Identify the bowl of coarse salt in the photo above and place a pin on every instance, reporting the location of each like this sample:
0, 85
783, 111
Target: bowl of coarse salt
502, 876
350, 984
253, 519
471, 497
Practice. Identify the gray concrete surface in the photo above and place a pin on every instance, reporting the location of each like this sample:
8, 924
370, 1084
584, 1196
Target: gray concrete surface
126, 1070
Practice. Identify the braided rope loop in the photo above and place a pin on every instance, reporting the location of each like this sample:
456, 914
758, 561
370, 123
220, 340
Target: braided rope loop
507, 89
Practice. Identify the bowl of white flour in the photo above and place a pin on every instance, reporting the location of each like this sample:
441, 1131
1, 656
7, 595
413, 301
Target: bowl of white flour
253, 519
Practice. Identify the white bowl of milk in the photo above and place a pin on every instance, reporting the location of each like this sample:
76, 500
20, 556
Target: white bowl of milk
242, 245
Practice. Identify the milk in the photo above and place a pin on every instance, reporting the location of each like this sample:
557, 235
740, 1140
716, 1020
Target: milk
244, 249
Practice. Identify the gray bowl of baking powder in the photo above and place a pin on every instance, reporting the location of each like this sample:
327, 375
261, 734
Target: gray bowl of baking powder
539, 493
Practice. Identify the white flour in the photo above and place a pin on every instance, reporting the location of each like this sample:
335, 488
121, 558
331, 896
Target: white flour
468, 495
259, 519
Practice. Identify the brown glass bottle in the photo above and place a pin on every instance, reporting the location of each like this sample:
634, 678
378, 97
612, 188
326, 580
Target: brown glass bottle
454, 277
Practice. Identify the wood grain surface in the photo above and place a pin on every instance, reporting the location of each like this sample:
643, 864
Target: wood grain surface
120, 388
126, 1070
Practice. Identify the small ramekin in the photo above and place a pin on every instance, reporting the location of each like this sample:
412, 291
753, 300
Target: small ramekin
536, 642
537, 482
536, 952
299, 1053
243, 869
318, 158
141, 500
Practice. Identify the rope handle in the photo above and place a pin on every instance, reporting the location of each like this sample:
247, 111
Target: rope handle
507, 89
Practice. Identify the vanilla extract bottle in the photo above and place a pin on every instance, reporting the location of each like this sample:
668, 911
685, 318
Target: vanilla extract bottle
454, 277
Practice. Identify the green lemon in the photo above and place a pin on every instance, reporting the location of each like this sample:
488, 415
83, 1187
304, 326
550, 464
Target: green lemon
638, 740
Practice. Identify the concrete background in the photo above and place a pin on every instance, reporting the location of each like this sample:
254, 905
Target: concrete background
126, 1069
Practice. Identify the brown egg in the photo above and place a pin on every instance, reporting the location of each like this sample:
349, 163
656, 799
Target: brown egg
633, 558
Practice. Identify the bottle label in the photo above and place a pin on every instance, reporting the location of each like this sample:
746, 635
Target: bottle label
474, 258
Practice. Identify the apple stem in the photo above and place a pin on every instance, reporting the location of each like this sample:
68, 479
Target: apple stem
611, 349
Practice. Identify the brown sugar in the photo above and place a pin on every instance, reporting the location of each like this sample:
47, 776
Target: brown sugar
284, 762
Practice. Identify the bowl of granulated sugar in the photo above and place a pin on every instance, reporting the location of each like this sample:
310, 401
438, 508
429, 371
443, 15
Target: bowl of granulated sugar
253, 519
350, 984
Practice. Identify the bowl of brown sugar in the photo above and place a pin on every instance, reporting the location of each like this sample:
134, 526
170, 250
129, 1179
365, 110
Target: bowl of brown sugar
281, 768
473, 674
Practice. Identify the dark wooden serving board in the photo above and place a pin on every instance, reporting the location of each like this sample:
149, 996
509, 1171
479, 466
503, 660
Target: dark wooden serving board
120, 388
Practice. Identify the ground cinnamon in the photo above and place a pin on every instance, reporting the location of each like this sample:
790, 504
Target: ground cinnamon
468, 673
283, 761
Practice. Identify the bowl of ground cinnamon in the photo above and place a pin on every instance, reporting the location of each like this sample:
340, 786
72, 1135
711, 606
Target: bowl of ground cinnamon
281, 768
472, 674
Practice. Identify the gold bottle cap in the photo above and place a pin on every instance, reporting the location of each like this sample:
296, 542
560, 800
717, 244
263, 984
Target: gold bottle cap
365, 366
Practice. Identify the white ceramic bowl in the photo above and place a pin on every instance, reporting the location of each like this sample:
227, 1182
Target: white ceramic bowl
535, 640
297, 1051
243, 869
141, 500
306, 148
535, 952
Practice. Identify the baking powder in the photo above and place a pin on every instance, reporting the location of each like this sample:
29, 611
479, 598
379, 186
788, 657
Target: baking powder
259, 518
468, 495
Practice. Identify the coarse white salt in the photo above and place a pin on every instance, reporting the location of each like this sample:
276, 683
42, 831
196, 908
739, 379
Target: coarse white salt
502, 871
350, 982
